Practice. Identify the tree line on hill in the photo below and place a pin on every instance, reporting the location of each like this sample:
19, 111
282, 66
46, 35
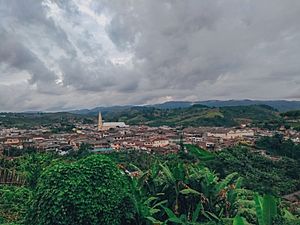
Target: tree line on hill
195, 115
198, 115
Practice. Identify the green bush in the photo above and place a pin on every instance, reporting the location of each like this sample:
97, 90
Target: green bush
13, 203
90, 191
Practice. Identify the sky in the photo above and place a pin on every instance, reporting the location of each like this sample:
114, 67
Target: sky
71, 54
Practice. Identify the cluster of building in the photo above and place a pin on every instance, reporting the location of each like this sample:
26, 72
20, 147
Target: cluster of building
117, 136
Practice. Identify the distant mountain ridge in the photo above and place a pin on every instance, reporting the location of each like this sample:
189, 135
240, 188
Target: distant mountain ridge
101, 109
280, 105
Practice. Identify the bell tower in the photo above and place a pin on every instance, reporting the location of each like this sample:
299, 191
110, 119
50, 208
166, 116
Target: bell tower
100, 123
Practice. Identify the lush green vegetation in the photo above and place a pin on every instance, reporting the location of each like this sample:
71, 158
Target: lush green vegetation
141, 188
61, 121
14, 202
90, 191
259, 173
294, 114
292, 119
276, 145
197, 115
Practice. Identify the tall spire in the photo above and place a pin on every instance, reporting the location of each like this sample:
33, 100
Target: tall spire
100, 123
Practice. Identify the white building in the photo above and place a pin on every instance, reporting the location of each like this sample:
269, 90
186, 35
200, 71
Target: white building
102, 126
231, 134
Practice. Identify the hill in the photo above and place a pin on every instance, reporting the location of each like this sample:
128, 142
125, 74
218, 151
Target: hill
103, 109
292, 119
294, 114
196, 115
280, 105
173, 105
30, 120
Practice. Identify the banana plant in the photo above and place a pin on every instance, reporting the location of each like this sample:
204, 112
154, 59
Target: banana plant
266, 209
292, 219
238, 220
174, 180
218, 198
183, 219
200, 209
146, 207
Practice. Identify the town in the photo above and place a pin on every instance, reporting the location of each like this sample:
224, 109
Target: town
105, 137
123, 112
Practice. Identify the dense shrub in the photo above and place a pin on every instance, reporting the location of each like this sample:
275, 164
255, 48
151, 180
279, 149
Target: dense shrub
277, 145
13, 203
260, 173
90, 191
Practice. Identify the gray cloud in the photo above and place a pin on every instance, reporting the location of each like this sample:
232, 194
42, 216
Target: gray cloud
16, 56
77, 53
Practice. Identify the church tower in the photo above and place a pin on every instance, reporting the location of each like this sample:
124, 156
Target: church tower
100, 123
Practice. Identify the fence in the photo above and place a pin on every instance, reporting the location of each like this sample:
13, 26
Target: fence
11, 177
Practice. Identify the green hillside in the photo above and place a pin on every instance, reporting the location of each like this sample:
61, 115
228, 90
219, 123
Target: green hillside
30, 120
197, 115
292, 119
294, 114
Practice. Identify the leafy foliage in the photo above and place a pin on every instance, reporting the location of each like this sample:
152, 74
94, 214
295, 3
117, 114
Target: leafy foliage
259, 173
187, 193
149, 189
276, 145
90, 191
13, 203
266, 209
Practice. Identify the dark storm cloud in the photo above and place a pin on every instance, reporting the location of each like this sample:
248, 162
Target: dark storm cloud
19, 57
82, 53
186, 43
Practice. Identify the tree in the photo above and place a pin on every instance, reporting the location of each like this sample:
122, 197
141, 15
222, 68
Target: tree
91, 191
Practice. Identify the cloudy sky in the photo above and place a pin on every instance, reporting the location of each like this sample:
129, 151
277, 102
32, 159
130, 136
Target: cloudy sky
67, 54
